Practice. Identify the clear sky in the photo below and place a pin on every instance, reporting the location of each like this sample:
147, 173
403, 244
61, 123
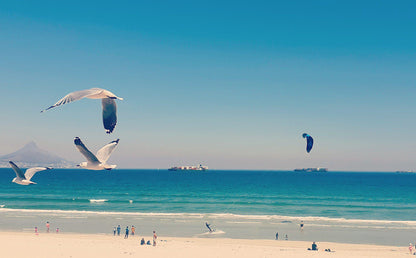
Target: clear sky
228, 84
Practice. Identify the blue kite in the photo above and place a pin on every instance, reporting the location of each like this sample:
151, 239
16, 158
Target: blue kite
309, 142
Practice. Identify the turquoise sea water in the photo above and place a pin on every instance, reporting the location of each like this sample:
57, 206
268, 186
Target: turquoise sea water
380, 196
252, 200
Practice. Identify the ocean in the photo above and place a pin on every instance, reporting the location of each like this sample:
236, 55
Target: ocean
353, 207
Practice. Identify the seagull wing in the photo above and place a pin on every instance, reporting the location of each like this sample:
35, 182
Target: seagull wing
31, 171
104, 153
84, 151
17, 170
109, 114
76, 95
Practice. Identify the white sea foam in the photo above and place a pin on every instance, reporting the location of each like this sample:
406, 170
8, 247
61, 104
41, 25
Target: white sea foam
74, 217
2, 206
372, 226
21, 216
243, 222
265, 218
97, 200
208, 233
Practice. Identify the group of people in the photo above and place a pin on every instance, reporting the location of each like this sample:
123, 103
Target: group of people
412, 249
286, 237
117, 230
48, 227
143, 242
132, 232
314, 246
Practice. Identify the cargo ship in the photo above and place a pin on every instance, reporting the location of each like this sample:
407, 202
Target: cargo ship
192, 168
311, 170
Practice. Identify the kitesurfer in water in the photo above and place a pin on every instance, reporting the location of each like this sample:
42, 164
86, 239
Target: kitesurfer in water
208, 226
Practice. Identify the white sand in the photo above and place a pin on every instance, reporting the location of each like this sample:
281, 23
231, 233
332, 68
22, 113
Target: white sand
18, 244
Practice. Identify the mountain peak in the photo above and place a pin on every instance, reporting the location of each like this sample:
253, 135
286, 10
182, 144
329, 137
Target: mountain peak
31, 155
30, 145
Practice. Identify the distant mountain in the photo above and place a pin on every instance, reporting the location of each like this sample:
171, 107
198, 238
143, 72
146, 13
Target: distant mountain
30, 155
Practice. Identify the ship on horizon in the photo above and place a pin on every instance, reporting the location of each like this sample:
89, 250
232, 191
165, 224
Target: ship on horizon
192, 168
311, 170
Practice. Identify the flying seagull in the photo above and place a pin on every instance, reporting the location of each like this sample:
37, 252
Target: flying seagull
24, 179
99, 161
107, 101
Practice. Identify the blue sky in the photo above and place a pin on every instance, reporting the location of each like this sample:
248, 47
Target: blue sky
230, 85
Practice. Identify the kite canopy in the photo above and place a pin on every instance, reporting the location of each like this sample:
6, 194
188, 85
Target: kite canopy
309, 142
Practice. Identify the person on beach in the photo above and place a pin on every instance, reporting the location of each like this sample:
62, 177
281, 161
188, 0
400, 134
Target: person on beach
277, 235
36, 231
154, 238
410, 248
47, 226
133, 230
286, 238
301, 225
142, 242
127, 233
114, 231
118, 230
208, 226
57, 230
314, 247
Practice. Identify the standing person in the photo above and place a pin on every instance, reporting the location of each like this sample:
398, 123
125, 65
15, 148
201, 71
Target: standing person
277, 235
154, 238
36, 231
57, 230
114, 231
133, 230
118, 230
127, 233
301, 225
47, 226
410, 248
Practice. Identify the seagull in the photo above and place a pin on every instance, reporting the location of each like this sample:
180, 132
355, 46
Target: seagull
96, 162
24, 179
107, 101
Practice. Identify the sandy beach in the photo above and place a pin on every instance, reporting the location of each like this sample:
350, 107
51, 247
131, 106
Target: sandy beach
44, 245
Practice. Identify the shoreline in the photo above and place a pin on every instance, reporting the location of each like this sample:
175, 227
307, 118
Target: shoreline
216, 215
52, 244
227, 225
